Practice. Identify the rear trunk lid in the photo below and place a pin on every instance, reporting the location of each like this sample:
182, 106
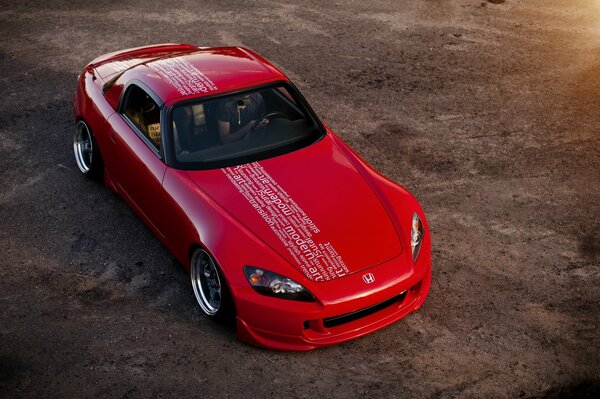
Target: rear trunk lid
109, 65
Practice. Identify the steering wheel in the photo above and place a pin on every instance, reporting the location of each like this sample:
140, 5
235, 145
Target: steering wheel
267, 117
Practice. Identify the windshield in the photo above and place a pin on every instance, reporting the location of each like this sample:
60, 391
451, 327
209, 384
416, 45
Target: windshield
241, 128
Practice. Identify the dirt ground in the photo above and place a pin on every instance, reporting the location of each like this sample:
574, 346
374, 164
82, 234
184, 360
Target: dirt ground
488, 111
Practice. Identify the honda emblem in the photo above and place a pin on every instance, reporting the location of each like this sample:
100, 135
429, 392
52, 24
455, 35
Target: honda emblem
369, 278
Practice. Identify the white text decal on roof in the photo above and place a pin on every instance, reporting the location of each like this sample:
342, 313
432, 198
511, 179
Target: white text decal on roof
317, 258
184, 76
122, 65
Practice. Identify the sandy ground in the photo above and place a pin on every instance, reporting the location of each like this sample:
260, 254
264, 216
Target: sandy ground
488, 111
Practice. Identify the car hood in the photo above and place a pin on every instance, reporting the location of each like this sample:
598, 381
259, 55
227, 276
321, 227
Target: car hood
311, 206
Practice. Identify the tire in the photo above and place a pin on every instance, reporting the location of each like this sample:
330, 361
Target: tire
210, 288
87, 152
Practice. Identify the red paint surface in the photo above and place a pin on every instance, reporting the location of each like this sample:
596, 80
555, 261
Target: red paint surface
366, 216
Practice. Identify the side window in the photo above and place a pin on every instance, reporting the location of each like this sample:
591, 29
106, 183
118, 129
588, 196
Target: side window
143, 112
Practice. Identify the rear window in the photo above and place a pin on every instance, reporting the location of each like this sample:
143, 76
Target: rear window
240, 128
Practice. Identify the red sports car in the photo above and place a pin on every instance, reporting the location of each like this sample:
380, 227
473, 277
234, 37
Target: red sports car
284, 229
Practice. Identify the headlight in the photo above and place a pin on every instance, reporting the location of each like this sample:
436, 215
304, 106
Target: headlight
272, 284
416, 236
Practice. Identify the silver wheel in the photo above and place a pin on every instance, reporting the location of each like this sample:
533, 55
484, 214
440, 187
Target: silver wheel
83, 147
206, 282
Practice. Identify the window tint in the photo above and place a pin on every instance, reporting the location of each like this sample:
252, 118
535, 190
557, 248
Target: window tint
143, 112
234, 129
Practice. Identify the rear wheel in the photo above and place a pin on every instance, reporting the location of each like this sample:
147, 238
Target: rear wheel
87, 153
210, 288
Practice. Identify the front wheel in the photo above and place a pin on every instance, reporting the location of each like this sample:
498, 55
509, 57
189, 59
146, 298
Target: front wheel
210, 288
87, 153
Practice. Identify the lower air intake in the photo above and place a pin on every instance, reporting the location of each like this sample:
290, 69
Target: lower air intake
348, 317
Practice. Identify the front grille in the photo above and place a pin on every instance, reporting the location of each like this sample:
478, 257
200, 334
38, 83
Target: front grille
348, 317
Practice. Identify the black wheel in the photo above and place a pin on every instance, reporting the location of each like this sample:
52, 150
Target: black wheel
210, 288
87, 153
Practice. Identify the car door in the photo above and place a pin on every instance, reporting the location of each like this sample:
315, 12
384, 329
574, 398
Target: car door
138, 168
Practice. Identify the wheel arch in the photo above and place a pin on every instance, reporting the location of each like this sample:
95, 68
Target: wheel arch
232, 299
193, 247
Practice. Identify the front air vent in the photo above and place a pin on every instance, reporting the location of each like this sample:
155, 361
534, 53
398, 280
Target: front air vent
348, 317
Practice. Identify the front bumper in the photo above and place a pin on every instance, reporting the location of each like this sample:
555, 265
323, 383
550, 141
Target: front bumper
288, 325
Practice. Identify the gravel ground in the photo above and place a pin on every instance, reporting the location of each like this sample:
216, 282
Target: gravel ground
488, 111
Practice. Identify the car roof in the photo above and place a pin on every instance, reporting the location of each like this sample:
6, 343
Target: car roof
206, 71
